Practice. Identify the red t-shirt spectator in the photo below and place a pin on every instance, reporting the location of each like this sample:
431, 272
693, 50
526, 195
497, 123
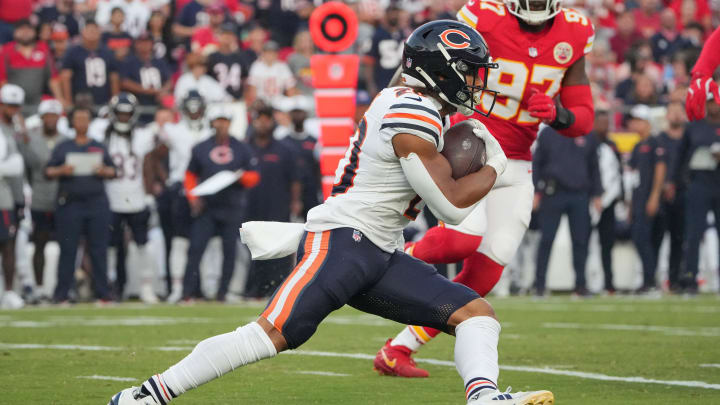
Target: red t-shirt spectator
32, 73
648, 25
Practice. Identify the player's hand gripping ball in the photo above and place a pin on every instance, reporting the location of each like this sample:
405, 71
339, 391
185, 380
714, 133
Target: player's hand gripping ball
469, 146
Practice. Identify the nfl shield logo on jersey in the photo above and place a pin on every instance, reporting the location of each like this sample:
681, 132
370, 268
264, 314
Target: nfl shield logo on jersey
357, 236
533, 52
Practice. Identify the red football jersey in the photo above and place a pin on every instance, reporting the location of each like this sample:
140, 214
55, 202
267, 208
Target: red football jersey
528, 62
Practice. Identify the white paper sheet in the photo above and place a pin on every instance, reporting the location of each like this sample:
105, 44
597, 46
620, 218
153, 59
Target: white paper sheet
84, 164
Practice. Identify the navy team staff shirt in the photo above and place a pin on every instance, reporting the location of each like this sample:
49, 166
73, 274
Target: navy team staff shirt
91, 71
270, 199
645, 156
79, 187
698, 134
210, 157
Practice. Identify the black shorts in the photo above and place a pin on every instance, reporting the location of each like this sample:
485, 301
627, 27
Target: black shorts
341, 267
43, 221
8, 225
138, 222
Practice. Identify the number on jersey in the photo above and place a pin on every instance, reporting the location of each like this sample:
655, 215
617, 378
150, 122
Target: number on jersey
347, 177
95, 72
511, 80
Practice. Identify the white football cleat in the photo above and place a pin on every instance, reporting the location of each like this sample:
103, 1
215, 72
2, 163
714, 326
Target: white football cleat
147, 295
512, 398
132, 396
11, 300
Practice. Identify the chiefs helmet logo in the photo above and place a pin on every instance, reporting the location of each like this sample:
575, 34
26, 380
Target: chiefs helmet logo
221, 155
446, 39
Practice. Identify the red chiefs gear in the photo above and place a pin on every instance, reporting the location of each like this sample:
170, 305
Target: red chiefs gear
541, 106
529, 62
702, 84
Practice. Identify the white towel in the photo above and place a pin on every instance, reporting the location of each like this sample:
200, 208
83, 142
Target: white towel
271, 240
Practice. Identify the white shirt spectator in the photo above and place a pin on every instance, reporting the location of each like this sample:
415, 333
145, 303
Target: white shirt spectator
270, 81
208, 87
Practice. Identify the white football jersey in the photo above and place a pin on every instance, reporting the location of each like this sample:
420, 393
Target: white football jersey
180, 138
371, 192
126, 191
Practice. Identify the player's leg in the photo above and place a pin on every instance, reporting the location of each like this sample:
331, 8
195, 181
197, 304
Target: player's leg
332, 268
41, 234
229, 234
580, 227
606, 233
10, 299
202, 229
139, 227
116, 266
98, 239
411, 291
180, 245
441, 244
550, 212
69, 222
508, 209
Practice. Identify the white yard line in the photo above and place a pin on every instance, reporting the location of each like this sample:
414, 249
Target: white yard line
322, 373
538, 370
52, 322
107, 378
710, 365
58, 347
446, 363
667, 330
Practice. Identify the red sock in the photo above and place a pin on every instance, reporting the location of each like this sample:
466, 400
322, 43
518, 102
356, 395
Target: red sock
479, 273
443, 245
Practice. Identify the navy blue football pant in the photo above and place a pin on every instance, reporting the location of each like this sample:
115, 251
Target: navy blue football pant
701, 198
342, 266
671, 219
74, 219
642, 236
606, 234
212, 221
552, 207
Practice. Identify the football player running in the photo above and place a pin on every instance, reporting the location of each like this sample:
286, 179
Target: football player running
541, 50
350, 252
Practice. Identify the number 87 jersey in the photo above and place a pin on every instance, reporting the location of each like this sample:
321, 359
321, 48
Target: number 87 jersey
529, 62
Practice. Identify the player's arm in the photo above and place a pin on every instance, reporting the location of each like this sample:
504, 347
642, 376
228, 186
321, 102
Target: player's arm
574, 115
702, 83
429, 174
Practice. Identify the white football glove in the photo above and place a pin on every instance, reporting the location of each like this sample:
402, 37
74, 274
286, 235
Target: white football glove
495, 156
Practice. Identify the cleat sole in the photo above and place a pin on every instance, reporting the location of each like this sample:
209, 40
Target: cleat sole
540, 398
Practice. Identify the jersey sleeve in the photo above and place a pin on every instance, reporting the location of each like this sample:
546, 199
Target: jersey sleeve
413, 115
489, 12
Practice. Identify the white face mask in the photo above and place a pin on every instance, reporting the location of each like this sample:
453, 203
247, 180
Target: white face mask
521, 9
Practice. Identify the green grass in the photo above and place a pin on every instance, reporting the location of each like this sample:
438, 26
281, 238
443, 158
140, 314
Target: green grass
559, 333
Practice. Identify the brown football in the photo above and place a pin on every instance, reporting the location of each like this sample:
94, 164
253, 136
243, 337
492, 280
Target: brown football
464, 150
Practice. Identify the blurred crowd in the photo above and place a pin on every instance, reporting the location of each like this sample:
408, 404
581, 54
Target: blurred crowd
178, 72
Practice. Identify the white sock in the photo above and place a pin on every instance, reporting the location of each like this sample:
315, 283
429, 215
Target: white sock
476, 354
112, 264
178, 257
146, 264
409, 337
211, 358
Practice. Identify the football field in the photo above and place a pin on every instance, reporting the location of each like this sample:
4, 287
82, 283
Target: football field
598, 351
